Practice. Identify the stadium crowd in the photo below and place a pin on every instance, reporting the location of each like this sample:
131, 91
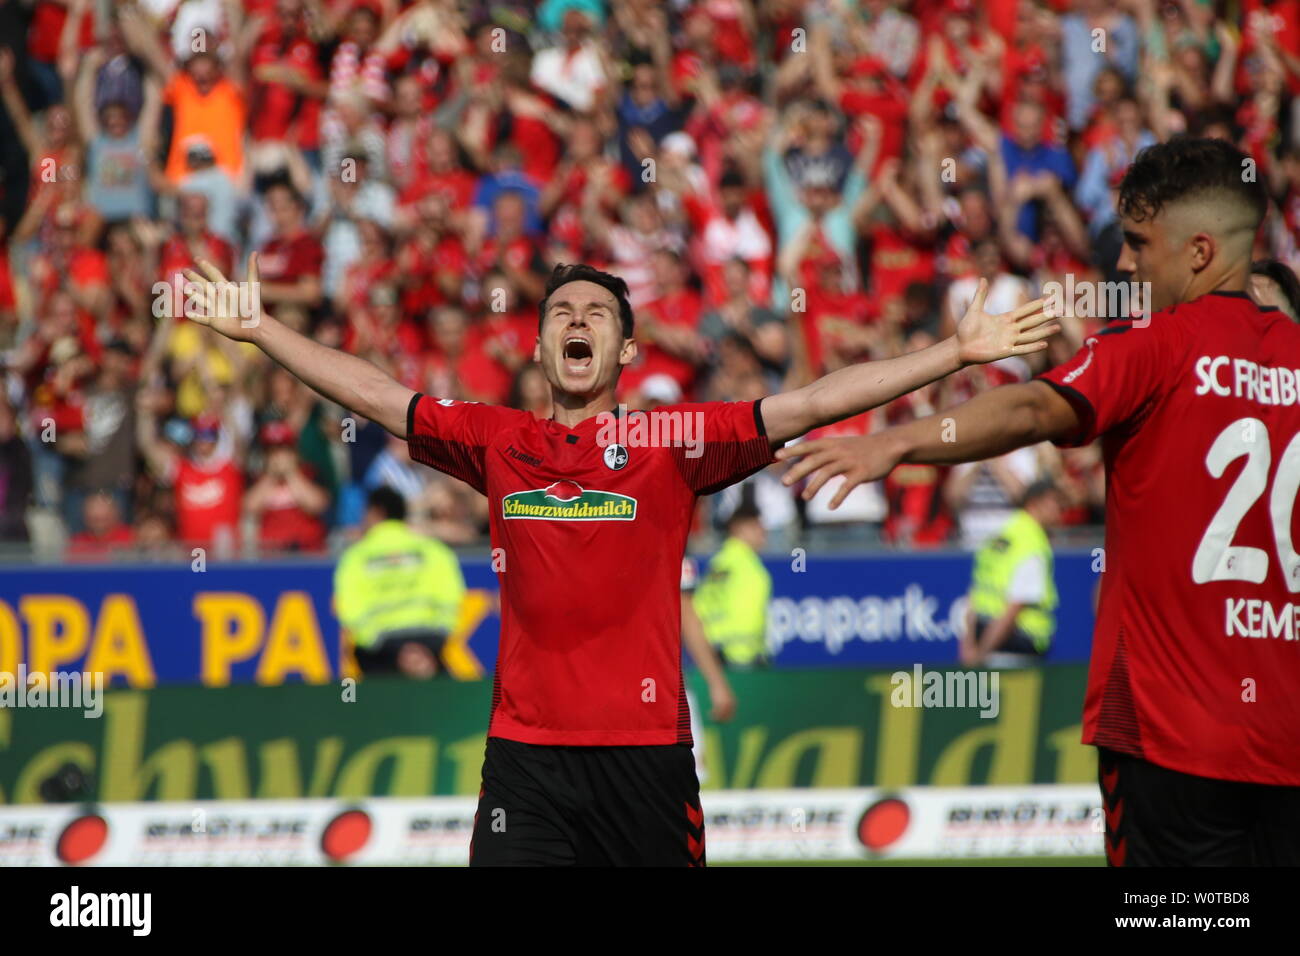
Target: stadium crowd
787, 186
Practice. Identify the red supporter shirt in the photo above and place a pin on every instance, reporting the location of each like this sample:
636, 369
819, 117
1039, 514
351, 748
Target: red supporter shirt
917, 517
87, 337
956, 260
719, 239
476, 375
8, 300
539, 148
889, 106
208, 499
84, 267
680, 309
65, 409
566, 228
176, 256
482, 372
1199, 417
404, 338
828, 312
536, 144
402, 145
730, 38
686, 69
522, 253
284, 526
419, 267
590, 649
85, 544
277, 109
1281, 20
288, 258
455, 186
48, 20
955, 57
897, 261
360, 277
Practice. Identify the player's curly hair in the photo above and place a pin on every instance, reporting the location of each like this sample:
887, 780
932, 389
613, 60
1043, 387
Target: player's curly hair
1185, 167
581, 272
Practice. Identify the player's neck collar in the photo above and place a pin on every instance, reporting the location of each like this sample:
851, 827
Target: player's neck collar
616, 411
1242, 294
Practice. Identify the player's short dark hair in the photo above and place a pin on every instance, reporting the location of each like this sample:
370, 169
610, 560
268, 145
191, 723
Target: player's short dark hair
581, 272
1284, 276
1039, 489
365, 10
1185, 167
745, 511
284, 182
387, 502
732, 179
741, 343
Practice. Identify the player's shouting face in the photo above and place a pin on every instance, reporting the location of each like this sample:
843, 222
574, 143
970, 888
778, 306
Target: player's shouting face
581, 346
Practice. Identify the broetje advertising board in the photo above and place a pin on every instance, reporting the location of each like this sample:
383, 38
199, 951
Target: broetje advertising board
773, 825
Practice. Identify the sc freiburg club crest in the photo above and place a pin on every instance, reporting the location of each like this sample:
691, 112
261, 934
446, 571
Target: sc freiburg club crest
615, 457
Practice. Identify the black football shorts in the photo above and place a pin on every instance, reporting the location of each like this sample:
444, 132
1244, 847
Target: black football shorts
1160, 817
588, 806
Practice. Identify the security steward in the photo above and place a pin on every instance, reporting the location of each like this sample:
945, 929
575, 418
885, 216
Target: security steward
397, 593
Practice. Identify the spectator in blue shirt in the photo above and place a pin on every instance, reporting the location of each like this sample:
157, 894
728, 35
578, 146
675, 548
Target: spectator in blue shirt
1025, 152
1103, 168
1107, 162
1092, 39
648, 104
508, 177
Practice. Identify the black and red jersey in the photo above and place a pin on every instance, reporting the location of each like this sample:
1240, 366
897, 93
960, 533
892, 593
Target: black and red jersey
1196, 655
589, 526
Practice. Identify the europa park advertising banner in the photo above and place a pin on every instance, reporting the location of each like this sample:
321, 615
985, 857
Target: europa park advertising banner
803, 728
272, 623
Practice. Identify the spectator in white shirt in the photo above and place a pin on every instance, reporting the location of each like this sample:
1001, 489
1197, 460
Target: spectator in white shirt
574, 70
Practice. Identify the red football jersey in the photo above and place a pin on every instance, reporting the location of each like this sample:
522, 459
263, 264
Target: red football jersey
1196, 656
589, 527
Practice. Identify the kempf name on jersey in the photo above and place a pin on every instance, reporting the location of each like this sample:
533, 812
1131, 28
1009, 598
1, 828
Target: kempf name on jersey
1256, 618
1226, 376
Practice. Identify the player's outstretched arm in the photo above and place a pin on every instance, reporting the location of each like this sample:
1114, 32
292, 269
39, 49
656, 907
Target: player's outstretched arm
991, 424
980, 338
352, 382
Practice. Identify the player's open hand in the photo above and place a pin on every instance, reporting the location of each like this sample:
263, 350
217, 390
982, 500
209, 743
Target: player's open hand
232, 308
982, 337
857, 460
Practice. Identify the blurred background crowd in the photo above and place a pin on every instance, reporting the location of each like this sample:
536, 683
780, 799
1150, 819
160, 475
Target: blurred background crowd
788, 186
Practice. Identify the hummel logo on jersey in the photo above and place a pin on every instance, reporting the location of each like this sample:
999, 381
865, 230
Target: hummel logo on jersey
1091, 342
568, 501
515, 453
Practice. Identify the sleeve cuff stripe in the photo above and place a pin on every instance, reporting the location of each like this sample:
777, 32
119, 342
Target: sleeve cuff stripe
410, 415
1080, 403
